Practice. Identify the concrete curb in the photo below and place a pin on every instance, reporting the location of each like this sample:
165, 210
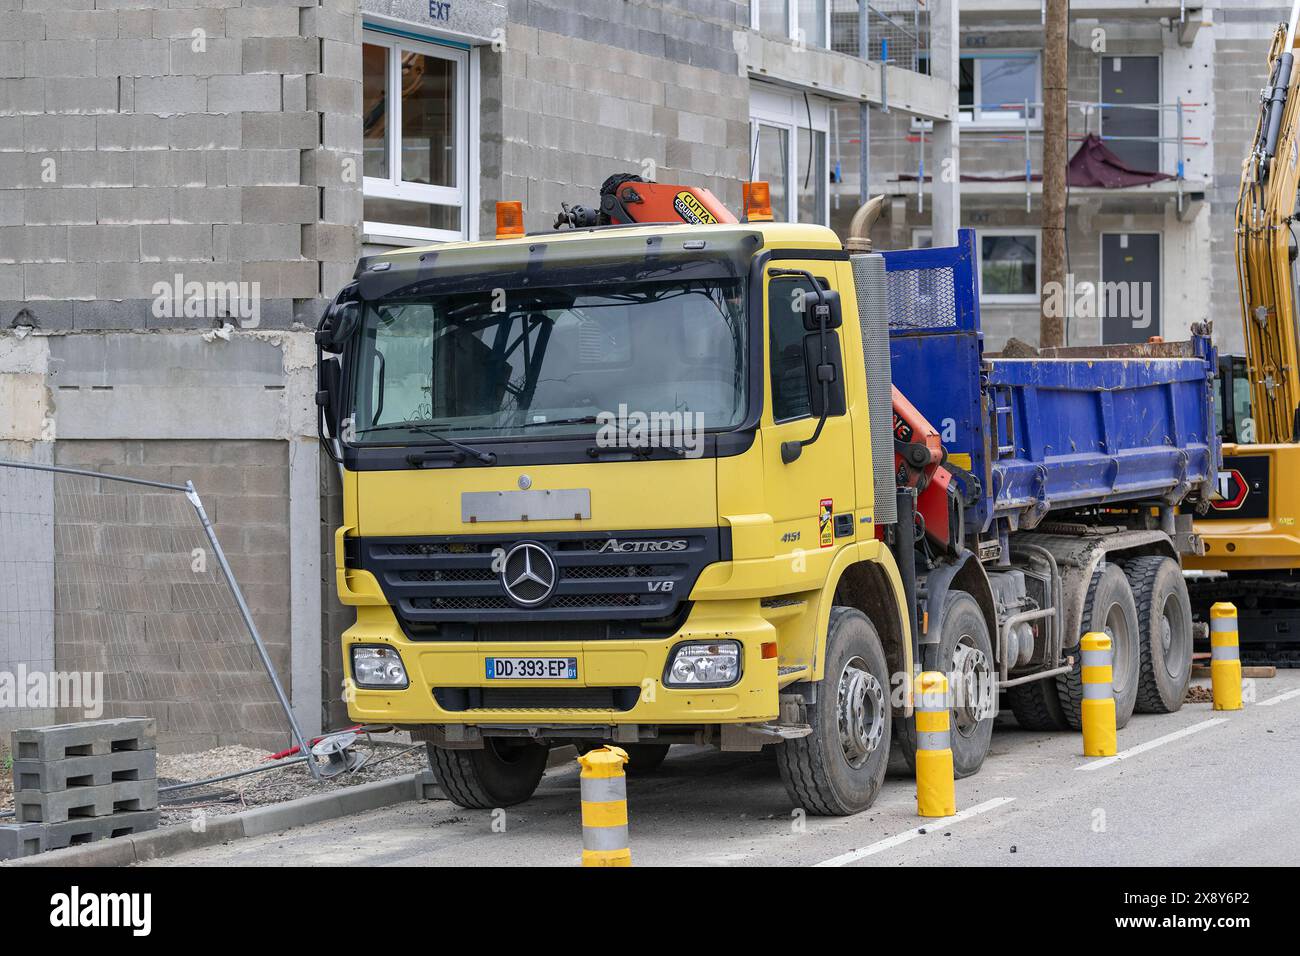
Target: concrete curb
345, 801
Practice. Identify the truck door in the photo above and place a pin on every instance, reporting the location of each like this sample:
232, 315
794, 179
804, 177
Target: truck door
804, 495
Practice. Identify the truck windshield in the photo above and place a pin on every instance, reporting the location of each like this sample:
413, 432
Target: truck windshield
549, 362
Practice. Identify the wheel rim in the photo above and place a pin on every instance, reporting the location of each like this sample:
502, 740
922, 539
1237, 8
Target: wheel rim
1121, 644
1176, 654
972, 675
861, 712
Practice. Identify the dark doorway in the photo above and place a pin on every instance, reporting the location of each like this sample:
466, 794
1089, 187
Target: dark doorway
1131, 80
1130, 287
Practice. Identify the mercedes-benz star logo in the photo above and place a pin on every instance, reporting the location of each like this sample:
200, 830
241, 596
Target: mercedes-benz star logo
528, 574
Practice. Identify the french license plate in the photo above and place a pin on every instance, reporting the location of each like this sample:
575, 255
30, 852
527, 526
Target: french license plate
532, 668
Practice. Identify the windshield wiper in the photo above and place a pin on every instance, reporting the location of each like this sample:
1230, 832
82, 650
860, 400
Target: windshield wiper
582, 420
483, 457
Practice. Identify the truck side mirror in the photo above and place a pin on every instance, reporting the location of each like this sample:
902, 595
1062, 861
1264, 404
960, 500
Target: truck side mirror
826, 370
329, 380
813, 308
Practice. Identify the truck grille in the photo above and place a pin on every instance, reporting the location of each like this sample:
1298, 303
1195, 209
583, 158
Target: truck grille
459, 699
645, 576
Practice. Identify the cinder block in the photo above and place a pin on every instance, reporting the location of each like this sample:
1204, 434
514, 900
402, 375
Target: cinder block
282, 55
92, 737
20, 840
34, 806
426, 786
93, 771
252, 93
28, 839
74, 832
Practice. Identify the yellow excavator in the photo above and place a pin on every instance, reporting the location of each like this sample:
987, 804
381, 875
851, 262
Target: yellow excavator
1250, 533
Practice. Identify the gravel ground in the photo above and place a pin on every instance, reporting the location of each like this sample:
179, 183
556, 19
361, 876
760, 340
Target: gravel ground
387, 755
390, 756
6, 781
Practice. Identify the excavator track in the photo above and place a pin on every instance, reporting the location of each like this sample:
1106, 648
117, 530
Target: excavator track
1253, 597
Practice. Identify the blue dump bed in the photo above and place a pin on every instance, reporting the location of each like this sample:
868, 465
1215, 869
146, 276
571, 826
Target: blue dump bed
1068, 428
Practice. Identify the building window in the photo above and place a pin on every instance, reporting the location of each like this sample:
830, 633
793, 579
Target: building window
1009, 265
993, 89
416, 139
805, 22
790, 154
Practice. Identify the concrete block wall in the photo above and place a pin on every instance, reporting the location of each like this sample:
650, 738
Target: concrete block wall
132, 605
142, 140
583, 89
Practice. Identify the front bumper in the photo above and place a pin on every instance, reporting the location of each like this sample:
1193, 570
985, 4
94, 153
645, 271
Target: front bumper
447, 679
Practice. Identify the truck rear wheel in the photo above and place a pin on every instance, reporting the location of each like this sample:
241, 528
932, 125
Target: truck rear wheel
505, 772
838, 769
1037, 705
1108, 608
1165, 629
964, 655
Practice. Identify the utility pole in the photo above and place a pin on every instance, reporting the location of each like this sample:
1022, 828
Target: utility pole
1051, 331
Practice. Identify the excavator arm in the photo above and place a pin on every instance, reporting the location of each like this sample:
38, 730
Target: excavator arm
1267, 246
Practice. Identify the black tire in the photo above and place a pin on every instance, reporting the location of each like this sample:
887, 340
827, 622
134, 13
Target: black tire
1109, 608
827, 773
643, 759
1165, 625
505, 772
1037, 705
963, 626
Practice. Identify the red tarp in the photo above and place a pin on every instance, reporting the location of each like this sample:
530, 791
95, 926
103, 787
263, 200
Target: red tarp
1096, 166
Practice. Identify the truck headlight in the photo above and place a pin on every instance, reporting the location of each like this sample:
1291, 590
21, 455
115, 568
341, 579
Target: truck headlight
378, 667
712, 664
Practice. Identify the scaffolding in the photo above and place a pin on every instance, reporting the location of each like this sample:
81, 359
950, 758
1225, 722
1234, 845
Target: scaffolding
1027, 112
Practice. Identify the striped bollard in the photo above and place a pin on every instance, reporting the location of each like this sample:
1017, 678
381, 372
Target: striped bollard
936, 793
1225, 657
604, 808
1098, 715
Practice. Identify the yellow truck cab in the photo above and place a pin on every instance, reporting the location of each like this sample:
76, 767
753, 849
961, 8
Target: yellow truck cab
653, 485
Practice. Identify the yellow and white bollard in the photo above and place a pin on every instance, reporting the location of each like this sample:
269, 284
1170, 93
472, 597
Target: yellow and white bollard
936, 793
604, 808
1098, 714
1225, 657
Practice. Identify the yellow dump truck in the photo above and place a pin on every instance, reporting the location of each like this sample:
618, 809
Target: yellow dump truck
653, 484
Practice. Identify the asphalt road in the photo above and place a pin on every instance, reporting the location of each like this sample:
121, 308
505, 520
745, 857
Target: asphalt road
1196, 787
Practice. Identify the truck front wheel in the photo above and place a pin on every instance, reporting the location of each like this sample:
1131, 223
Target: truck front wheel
505, 772
838, 769
964, 655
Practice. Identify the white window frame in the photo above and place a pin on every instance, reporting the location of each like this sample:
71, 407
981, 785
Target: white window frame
977, 121
785, 110
792, 21
463, 195
999, 299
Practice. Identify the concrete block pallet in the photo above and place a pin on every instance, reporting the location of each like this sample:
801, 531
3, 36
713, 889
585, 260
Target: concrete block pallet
79, 783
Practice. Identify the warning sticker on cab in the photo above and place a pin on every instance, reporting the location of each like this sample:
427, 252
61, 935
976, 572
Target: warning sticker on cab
692, 210
826, 522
